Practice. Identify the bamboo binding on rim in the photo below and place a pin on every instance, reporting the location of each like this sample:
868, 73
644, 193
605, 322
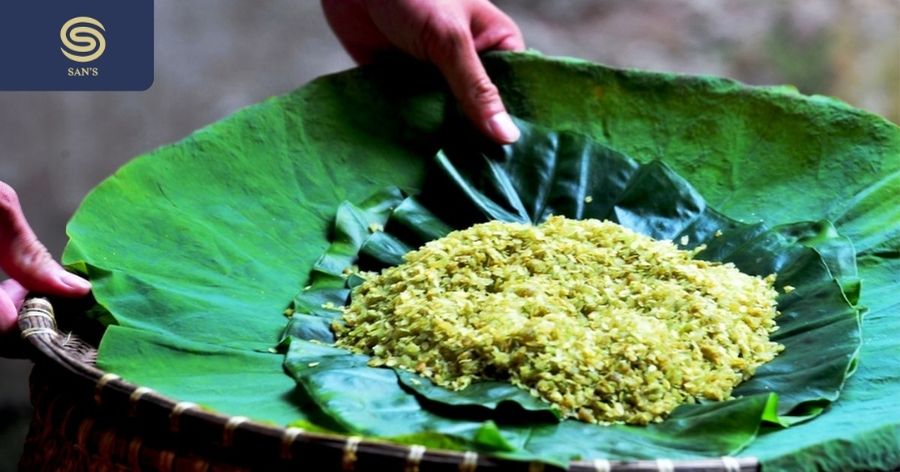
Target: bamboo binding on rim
88, 419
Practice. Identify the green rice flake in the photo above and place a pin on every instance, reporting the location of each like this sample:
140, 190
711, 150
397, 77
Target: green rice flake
607, 324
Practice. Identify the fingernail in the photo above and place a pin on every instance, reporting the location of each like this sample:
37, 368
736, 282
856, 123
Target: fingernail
73, 281
503, 127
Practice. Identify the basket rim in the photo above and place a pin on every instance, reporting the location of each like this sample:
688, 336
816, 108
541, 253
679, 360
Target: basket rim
37, 325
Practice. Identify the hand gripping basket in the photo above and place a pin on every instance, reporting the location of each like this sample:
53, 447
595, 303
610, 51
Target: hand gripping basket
88, 419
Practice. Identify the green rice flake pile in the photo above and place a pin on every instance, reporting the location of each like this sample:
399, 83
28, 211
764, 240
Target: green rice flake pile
609, 325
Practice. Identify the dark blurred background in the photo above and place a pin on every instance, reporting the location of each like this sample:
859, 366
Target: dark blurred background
214, 56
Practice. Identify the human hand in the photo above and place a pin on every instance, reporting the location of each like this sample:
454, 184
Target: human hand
28, 262
447, 33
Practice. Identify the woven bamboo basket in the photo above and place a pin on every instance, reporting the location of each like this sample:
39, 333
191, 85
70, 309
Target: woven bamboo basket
88, 419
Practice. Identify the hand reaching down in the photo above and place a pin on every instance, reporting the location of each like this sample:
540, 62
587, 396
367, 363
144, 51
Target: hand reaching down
447, 33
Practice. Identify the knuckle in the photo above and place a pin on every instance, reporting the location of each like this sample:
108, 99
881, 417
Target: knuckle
453, 35
31, 256
485, 92
442, 36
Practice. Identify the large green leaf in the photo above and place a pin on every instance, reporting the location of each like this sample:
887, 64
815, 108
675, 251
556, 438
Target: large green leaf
568, 174
211, 375
364, 400
207, 239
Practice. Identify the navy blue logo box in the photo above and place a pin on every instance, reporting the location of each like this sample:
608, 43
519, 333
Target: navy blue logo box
76, 44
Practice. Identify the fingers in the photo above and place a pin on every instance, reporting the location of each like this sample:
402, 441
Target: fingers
454, 53
449, 34
12, 295
494, 30
25, 259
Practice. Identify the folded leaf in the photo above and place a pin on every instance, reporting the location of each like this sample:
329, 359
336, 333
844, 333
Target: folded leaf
489, 394
818, 326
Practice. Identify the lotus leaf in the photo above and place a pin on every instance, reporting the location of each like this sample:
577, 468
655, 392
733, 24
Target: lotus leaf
195, 249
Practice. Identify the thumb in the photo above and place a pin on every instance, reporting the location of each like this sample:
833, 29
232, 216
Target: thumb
458, 61
11, 297
25, 259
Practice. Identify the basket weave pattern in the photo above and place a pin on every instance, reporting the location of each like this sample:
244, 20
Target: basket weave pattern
91, 420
